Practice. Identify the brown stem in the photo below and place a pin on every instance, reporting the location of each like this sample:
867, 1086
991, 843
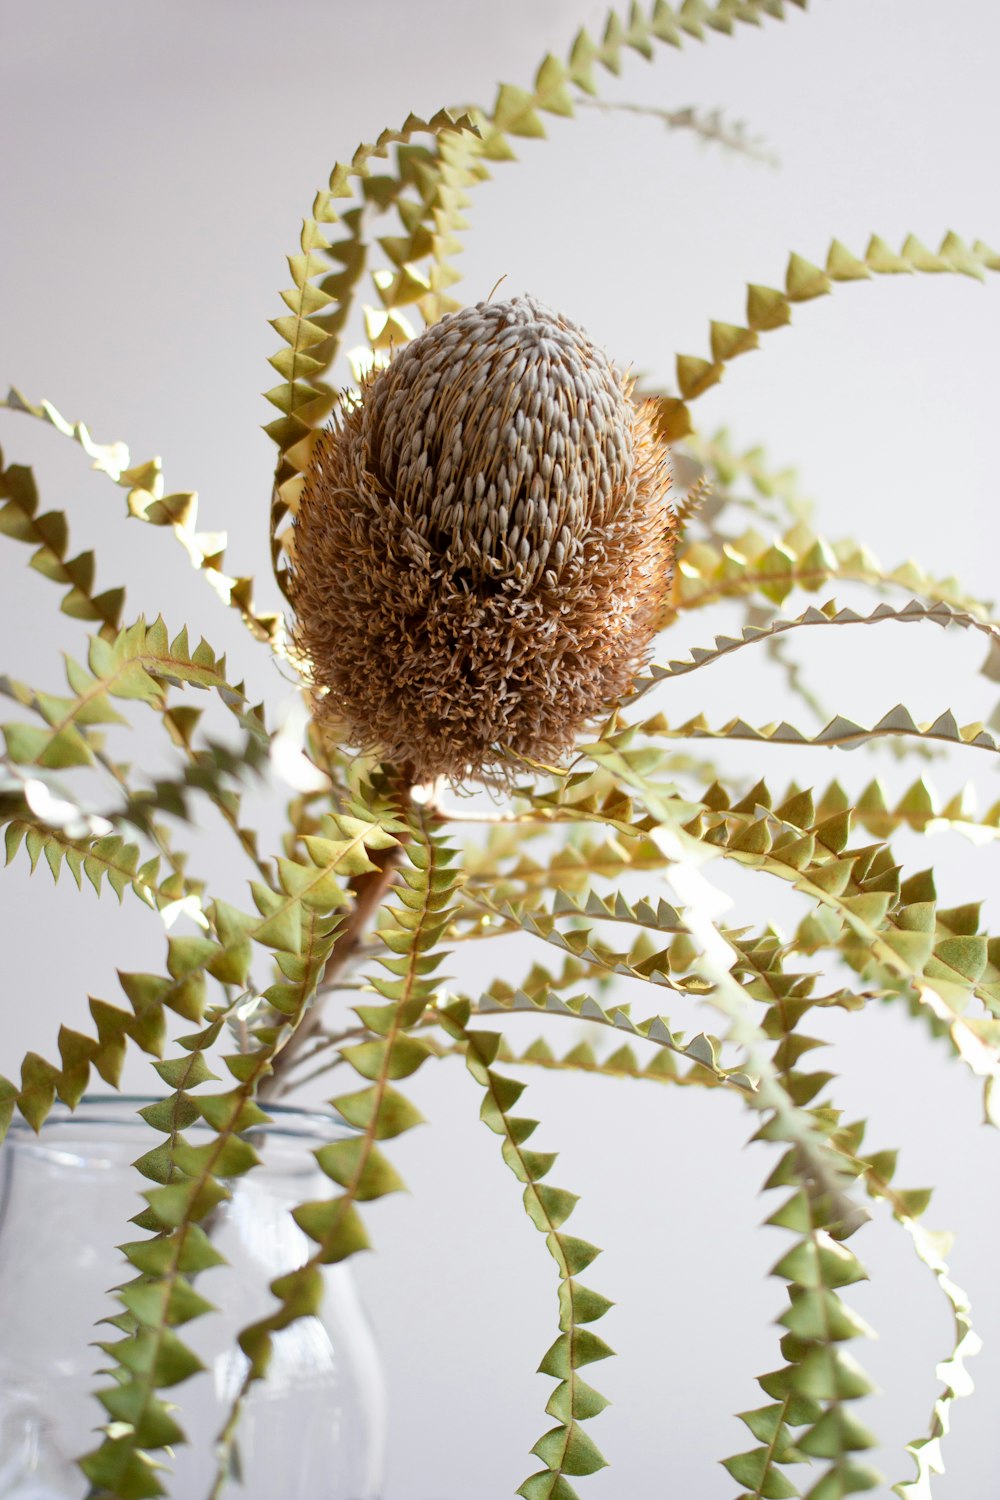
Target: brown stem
369, 891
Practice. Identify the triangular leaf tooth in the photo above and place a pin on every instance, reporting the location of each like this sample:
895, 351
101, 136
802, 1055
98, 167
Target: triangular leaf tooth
962, 956
548, 1207
547, 1485
798, 810
113, 1464
956, 252
514, 112
755, 1471
672, 418
837, 1432
804, 280
696, 375
844, 1479
767, 308
573, 1255
569, 1450
335, 1225
828, 1373
567, 1353
961, 920
918, 888
882, 258
729, 340
841, 265
794, 1214
754, 839
575, 1399
869, 908
578, 1304
913, 1201
550, 87
921, 258
820, 1314
798, 853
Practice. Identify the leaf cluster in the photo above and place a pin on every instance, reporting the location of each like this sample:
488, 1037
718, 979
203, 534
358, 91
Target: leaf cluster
604, 866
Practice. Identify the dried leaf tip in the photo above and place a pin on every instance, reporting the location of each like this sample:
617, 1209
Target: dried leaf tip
483, 545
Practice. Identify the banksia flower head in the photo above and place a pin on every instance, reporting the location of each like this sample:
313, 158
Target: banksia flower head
483, 545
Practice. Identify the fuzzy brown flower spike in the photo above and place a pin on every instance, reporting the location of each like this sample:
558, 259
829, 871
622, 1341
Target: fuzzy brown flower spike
482, 546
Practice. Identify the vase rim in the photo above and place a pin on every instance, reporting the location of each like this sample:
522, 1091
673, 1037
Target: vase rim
291, 1121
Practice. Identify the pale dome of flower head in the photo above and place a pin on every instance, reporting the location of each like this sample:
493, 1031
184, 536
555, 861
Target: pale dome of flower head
483, 545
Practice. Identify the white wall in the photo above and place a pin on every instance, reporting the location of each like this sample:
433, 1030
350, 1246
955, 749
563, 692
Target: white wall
157, 160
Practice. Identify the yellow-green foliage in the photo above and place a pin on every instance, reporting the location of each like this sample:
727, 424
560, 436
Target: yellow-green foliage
600, 862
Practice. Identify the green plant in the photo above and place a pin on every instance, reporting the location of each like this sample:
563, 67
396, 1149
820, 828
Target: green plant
361, 847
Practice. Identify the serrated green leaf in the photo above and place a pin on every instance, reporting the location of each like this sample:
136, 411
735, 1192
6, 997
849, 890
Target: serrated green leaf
575, 1400
396, 1059
391, 1112
755, 1471
837, 1432
567, 1354
356, 1165
570, 1451
338, 1229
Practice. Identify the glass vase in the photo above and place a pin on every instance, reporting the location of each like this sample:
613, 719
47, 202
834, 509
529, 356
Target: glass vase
313, 1430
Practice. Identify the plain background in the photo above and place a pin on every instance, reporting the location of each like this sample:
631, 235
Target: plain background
157, 159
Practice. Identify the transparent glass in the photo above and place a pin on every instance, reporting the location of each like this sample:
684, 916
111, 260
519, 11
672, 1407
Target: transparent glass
314, 1430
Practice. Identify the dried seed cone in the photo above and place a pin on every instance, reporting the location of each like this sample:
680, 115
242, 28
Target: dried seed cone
482, 546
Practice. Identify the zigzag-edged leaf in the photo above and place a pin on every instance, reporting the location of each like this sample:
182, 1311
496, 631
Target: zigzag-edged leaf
429, 191
378, 1111
150, 1356
620, 1063
140, 663
569, 868
37, 798
810, 1394
146, 501
702, 1051
573, 801
876, 1170
769, 308
539, 981
783, 1023
420, 271
109, 857
656, 914
724, 467
709, 125
759, 968
826, 614
283, 924
738, 567
458, 161
215, 771
644, 960
919, 808
788, 1120
725, 993
887, 929
301, 921
839, 733
565, 1449
311, 330
922, 810
517, 111
49, 535
99, 857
